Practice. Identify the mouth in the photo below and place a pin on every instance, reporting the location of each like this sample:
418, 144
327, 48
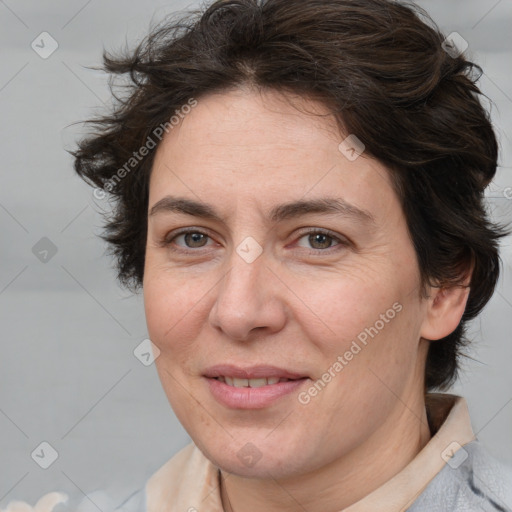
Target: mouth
251, 383
251, 376
254, 387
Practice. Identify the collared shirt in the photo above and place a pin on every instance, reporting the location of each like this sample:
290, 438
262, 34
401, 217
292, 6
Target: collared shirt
451, 473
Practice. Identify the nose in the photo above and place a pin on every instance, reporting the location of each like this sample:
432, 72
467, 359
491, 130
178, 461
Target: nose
249, 300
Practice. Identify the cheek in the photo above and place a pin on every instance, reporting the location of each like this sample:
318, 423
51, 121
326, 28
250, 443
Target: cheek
172, 308
372, 318
346, 304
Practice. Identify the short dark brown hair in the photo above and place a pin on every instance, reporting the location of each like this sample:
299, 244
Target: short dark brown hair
380, 66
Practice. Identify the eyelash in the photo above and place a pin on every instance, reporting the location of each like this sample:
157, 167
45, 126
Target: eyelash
168, 240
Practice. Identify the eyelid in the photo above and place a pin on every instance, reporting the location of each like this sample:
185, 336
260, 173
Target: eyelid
342, 241
168, 239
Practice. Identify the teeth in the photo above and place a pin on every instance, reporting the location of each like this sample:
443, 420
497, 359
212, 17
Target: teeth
250, 383
257, 383
240, 383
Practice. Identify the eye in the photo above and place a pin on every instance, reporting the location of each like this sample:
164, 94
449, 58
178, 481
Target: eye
194, 239
319, 240
187, 239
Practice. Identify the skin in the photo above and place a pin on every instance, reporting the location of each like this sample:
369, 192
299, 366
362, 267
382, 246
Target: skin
298, 306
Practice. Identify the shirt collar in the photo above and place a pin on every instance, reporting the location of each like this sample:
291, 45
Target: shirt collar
398, 493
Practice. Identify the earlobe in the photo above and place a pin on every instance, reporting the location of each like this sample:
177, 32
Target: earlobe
444, 311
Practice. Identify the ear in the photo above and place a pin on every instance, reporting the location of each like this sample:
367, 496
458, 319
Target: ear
445, 307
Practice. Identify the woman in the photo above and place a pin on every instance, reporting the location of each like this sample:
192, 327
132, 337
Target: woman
298, 191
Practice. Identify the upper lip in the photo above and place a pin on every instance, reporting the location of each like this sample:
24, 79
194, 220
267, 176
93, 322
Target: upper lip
250, 372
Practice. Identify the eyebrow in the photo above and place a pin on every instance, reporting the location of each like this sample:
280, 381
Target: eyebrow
279, 213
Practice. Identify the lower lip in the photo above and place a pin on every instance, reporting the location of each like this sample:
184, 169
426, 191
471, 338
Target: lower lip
252, 398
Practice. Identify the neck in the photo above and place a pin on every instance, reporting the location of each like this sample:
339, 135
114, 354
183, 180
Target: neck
343, 482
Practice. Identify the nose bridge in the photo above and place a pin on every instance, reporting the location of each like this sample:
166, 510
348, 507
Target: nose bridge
247, 262
246, 298
242, 286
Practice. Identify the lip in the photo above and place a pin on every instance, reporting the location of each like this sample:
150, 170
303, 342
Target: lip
250, 372
251, 398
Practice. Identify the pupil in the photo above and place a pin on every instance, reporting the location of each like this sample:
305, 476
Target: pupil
195, 239
321, 239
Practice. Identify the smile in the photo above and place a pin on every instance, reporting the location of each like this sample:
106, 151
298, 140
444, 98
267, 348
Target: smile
252, 387
251, 383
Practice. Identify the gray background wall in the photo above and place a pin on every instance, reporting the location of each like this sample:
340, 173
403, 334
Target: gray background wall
68, 375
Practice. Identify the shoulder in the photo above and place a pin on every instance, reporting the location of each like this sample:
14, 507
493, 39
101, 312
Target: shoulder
183, 477
187, 481
135, 502
473, 480
189, 463
166, 480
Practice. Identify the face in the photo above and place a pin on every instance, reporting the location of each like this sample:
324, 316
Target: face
280, 286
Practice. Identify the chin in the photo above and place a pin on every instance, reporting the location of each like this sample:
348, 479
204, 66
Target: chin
267, 460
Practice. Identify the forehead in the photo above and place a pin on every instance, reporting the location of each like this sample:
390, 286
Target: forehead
261, 147
249, 120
